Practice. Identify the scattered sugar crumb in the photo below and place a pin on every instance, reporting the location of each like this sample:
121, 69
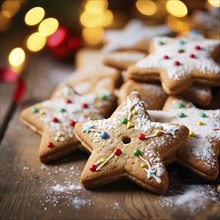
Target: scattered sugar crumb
193, 198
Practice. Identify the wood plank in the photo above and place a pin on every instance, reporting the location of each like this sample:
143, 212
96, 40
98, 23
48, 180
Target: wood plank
31, 190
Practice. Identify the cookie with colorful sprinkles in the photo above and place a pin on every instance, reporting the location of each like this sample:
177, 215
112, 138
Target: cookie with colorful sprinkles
129, 145
201, 151
55, 118
179, 62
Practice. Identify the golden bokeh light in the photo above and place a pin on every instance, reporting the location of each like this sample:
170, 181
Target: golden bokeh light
176, 8
16, 57
89, 20
34, 16
107, 18
214, 3
146, 7
95, 7
36, 42
11, 7
48, 26
93, 36
177, 25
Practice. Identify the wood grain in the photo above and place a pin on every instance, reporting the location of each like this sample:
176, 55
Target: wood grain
31, 190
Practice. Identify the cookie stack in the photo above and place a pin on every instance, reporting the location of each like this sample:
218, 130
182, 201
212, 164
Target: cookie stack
129, 104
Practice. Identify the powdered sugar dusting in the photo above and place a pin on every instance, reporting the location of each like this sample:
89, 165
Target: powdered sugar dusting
182, 52
134, 32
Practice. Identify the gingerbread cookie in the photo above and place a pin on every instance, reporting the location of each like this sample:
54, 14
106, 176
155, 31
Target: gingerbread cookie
129, 145
123, 59
134, 36
55, 119
179, 62
154, 97
200, 152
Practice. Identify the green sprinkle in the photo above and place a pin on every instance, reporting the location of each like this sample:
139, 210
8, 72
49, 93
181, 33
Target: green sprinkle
62, 110
34, 110
180, 105
161, 43
103, 96
202, 114
136, 152
181, 115
124, 120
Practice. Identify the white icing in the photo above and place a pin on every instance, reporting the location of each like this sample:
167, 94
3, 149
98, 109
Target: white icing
202, 63
73, 111
201, 146
134, 32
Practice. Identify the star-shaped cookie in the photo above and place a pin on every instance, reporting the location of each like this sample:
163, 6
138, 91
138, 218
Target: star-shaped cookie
200, 152
135, 35
130, 145
179, 62
55, 119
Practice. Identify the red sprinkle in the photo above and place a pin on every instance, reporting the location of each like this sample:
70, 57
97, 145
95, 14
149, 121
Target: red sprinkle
117, 152
165, 57
216, 129
72, 123
68, 101
197, 47
176, 63
141, 137
55, 120
84, 105
93, 168
50, 144
192, 55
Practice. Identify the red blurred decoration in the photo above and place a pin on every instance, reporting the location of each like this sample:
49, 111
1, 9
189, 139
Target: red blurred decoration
63, 43
9, 76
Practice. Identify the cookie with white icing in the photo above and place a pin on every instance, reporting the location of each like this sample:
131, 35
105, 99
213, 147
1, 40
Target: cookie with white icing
179, 62
55, 118
129, 145
134, 36
201, 151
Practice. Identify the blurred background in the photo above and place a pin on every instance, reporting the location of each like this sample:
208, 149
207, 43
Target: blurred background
60, 28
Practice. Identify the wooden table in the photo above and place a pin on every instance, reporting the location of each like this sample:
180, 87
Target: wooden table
32, 190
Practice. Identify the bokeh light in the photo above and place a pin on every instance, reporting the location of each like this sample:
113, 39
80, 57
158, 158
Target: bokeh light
214, 3
95, 7
36, 42
11, 7
57, 38
93, 36
16, 57
48, 26
176, 8
34, 16
146, 7
177, 25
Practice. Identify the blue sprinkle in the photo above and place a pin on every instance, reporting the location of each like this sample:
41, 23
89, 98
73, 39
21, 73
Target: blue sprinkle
181, 42
150, 173
104, 135
195, 32
86, 128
